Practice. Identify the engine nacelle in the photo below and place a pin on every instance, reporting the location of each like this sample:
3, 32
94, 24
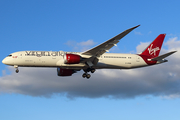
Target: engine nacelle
64, 72
71, 59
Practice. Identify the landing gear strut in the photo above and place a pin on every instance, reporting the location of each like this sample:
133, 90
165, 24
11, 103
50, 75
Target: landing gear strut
17, 70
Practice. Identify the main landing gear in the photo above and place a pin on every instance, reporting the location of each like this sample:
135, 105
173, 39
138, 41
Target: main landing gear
17, 70
86, 75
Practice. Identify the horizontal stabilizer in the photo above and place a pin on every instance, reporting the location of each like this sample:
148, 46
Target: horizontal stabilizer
162, 56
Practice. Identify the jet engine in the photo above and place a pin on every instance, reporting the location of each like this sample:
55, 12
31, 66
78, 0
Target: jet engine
71, 59
64, 72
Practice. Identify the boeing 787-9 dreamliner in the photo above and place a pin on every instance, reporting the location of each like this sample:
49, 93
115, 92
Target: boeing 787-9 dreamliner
68, 63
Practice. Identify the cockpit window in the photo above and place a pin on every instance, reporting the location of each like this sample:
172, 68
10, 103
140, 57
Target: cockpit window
9, 55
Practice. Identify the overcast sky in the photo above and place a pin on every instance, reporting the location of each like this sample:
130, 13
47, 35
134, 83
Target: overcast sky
38, 93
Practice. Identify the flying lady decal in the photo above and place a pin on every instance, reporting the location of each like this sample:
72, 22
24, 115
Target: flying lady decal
153, 50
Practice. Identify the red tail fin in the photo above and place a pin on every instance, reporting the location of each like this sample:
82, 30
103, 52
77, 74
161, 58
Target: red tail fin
154, 48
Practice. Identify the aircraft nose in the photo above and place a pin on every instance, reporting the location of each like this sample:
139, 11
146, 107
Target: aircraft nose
4, 61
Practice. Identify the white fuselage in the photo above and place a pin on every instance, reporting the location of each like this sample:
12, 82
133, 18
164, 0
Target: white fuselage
68, 63
55, 59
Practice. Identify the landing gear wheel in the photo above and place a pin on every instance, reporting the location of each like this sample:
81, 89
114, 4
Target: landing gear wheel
17, 70
93, 70
88, 76
84, 75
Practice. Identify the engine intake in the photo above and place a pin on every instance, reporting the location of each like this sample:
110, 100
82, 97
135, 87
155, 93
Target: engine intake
72, 59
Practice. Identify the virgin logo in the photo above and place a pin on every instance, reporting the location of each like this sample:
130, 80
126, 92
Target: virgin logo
153, 50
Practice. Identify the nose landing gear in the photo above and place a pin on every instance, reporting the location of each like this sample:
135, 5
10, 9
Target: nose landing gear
17, 70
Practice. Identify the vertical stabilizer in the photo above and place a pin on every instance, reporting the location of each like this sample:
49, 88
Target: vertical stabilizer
154, 48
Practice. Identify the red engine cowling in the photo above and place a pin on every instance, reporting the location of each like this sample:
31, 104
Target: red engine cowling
64, 72
71, 59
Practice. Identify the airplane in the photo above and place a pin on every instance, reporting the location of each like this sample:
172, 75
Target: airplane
68, 63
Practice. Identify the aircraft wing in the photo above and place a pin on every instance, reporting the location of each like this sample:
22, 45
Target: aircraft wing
104, 47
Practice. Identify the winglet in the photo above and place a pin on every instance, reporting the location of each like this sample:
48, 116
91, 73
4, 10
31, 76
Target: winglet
121, 35
137, 26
